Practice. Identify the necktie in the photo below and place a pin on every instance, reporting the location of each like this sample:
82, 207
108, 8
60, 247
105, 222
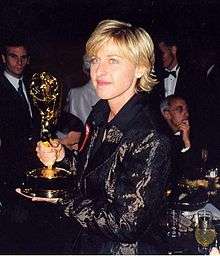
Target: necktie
27, 109
21, 93
167, 73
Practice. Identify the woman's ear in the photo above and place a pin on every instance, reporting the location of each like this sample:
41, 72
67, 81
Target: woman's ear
140, 71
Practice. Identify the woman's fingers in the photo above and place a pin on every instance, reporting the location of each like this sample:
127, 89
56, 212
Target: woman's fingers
46, 153
50, 152
46, 200
37, 199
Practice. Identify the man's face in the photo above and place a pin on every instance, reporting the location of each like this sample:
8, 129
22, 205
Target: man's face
177, 114
168, 54
71, 140
15, 60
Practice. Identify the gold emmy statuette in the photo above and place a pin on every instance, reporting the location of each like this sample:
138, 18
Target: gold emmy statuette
49, 181
45, 92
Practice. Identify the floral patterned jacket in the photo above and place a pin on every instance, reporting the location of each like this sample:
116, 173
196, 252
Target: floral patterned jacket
122, 173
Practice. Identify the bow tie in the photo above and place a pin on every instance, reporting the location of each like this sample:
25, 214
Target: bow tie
167, 73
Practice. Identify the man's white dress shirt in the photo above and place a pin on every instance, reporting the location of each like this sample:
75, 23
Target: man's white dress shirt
170, 82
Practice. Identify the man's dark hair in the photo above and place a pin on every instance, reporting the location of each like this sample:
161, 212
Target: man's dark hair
172, 39
14, 43
168, 39
69, 122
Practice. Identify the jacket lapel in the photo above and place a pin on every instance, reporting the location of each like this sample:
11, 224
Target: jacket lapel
13, 96
106, 150
113, 133
9, 88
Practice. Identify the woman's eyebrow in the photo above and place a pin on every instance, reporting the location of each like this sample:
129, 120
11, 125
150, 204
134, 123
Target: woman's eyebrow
114, 55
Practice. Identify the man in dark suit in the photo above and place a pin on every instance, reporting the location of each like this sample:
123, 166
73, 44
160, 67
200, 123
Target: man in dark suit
19, 133
176, 77
186, 143
18, 125
210, 69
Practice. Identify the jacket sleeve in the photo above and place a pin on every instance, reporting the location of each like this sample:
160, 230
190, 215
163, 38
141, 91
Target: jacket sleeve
134, 195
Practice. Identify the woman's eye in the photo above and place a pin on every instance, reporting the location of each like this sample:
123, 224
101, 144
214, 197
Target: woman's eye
94, 60
113, 61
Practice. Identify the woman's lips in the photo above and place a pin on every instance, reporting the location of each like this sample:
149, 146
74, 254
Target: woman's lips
102, 83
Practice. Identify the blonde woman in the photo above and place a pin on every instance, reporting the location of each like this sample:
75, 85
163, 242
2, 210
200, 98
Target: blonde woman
124, 162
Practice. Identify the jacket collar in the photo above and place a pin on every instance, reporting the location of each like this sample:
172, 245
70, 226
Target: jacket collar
128, 112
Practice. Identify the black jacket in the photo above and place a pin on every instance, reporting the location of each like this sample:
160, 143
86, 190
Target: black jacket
122, 174
18, 132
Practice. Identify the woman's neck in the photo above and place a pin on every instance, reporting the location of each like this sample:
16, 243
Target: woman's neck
116, 105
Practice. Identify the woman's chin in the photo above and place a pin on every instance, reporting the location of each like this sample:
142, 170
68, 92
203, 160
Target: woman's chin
103, 95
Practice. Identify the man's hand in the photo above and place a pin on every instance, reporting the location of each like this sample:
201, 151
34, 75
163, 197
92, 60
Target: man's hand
184, 128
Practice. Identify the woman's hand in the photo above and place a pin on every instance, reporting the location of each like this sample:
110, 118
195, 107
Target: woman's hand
50, 152
214, 252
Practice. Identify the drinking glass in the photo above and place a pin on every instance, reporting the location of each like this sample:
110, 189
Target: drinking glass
212, 175
173, 223
205, 233
204, 158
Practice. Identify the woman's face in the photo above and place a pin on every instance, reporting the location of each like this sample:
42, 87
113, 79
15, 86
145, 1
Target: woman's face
113, 75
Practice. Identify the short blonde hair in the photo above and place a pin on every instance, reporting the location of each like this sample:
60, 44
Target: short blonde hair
135, 44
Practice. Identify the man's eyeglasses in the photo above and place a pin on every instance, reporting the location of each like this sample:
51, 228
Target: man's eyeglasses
179, 109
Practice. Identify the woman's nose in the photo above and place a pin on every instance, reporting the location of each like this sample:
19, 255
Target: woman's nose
101, 69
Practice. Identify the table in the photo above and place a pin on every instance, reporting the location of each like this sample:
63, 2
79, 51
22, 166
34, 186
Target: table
186, 243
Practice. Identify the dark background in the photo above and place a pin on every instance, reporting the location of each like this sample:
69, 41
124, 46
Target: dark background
58, 29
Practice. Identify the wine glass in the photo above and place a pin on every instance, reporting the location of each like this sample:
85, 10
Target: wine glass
205, 233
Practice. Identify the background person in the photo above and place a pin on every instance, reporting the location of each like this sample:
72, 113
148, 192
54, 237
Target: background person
80, 100
175, 111
178, 76
210, 64
186, 142
68, 130
19, 120
19, 129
